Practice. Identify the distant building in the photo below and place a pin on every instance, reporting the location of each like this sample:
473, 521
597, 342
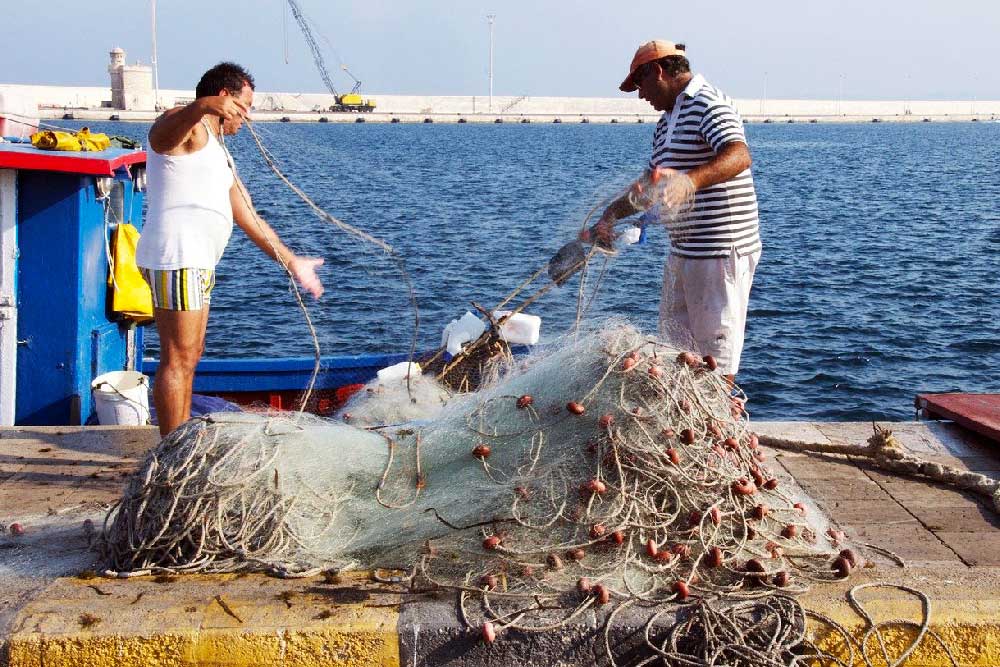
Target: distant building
131, 85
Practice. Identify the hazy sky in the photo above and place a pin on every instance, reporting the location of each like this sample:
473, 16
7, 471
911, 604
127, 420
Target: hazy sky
868, 49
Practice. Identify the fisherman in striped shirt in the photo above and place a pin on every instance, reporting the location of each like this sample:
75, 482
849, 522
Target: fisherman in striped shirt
700, 153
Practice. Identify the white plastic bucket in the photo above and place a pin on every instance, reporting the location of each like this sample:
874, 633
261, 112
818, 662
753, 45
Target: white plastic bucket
121, 398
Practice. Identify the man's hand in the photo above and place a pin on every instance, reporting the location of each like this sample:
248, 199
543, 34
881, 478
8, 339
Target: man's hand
677, 189
641, 191
603, 232
303, 269
227, 107
174, 132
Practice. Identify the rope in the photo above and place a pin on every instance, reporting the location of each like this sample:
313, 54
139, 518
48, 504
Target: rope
284, 265
200, 504
584, 303
667, 474
875, 630
353, 231
481, 345
885, 451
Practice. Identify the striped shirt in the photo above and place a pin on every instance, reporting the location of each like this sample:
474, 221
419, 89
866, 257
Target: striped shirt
724, 216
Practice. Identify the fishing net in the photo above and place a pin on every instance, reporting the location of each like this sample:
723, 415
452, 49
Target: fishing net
379, 404
610, 465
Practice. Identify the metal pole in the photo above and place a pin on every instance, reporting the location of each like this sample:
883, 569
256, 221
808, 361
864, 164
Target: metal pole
763, 100
156, 69
906, 104
284, 29
840, 96
491, 18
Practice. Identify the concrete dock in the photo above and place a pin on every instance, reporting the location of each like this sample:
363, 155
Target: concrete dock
95, 104
54, 478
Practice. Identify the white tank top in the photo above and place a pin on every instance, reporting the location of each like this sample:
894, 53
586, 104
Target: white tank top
189, 217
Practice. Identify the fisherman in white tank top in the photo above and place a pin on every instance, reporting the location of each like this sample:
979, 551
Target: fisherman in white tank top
194, 196
189, 217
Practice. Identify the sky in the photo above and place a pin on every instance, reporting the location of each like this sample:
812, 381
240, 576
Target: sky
803, 49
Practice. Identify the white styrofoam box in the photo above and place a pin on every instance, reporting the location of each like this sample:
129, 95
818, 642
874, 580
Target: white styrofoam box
460, 331
520, 329
398, 372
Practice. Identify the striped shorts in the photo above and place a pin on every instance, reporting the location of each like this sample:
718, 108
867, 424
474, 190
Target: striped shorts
180, 289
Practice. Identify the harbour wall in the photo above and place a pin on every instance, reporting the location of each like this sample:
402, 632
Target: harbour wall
93, 103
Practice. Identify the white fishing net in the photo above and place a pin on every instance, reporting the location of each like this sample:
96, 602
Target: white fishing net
608, 466
393, 402
610, 460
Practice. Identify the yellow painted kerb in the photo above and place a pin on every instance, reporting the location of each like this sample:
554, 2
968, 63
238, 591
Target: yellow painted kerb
48, 631
306, 647
969, 628
352, 647
314, 631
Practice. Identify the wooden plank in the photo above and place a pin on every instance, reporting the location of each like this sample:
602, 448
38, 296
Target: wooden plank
979, 413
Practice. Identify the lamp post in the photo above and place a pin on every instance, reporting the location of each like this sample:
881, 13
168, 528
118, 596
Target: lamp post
840, 96
156, 70
284, 29
906, 105
491, 18
763, 99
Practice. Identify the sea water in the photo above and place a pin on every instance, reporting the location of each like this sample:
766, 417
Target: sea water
878, 278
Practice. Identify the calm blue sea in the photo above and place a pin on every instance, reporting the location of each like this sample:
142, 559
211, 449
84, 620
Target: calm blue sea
878, 278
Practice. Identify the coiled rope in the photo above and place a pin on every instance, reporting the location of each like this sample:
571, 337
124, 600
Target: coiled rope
885, 451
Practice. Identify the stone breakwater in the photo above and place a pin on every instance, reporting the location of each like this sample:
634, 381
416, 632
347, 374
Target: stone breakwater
93, 103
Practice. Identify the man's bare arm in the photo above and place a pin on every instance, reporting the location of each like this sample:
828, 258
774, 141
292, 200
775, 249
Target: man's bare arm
620, 208
602, 232
256, 227
733, 159
176, 127
303, 269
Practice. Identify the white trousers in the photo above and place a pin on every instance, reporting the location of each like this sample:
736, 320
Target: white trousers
703, 305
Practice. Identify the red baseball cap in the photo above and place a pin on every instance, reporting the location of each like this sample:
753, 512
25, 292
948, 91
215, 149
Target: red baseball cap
646, 53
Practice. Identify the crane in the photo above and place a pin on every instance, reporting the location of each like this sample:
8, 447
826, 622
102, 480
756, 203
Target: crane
357, 81
351, 101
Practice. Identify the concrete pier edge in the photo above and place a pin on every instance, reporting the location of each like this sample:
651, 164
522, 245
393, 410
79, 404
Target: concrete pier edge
94, 103
410, 118
183, 624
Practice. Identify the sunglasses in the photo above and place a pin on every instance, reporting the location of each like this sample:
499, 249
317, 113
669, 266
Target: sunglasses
642, 72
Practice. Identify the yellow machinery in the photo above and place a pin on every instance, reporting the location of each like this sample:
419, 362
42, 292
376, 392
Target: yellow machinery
351, 101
